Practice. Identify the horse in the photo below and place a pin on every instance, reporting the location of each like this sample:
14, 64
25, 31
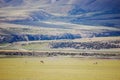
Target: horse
95, 63
42, 62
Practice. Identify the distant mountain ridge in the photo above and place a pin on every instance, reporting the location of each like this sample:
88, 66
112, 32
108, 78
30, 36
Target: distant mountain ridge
76, 5
15, 37
6, 3
98, 12
97, 15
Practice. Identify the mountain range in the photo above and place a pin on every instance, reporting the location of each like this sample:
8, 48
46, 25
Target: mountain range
86, 18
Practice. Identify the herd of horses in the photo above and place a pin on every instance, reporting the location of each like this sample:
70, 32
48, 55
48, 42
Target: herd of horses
42, 62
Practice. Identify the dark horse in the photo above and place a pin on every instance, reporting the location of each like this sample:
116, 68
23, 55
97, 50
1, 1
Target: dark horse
42, 62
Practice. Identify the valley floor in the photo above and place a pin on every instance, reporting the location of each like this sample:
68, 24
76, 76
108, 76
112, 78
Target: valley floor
59, 68
37, 60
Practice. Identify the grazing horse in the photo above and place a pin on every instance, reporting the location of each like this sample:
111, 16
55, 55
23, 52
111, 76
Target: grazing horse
42, 62
95, 63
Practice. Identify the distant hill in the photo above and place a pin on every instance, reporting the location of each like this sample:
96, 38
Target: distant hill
63, 18
87, 12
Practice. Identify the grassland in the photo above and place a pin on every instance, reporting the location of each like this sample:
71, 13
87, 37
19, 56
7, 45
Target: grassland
57, 68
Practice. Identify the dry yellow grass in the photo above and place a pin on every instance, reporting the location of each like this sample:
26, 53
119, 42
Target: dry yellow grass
57, 68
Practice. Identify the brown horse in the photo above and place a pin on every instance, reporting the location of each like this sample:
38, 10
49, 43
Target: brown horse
42, 62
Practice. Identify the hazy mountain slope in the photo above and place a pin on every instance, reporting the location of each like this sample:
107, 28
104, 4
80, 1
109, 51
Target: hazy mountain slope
89, 12
64, 17
5, 3
97, 12
95, 5
16, 32
75, 6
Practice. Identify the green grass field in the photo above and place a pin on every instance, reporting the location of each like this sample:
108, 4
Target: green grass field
57, 68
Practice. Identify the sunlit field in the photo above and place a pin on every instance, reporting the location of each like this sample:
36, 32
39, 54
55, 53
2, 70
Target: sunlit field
59, 68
